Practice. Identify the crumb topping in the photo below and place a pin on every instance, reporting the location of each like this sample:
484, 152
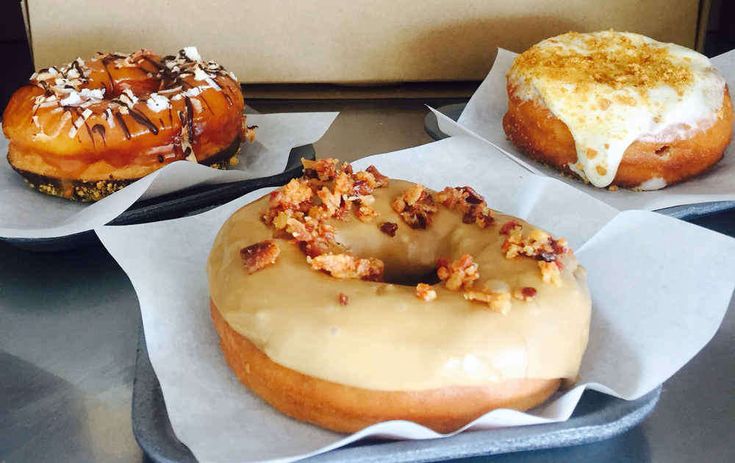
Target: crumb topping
415, 206
259, 255
346, 266
606, 58
343, 299
425, 292
470, 203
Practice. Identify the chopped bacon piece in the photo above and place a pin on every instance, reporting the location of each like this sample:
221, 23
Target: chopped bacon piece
380, 179
509, 226
458, 274
537, 245
415, 206
347, 266
259, 255
425, 292
343, 299
550, 272
469, 202
365, 213
323, 169
496, 301
525, 294
389, 228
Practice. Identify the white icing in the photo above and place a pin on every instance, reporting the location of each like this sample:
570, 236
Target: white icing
157, 103
655, 183
72, 100
194, 91
602, 132
192, 53
199, 74
110, 119
96, 94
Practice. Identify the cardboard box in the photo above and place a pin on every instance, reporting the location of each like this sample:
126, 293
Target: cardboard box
336, 41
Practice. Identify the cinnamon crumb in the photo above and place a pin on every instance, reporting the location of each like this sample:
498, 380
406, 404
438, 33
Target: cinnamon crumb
458, 274
389, 228
259, 255
343, 299
345, 266
425, 292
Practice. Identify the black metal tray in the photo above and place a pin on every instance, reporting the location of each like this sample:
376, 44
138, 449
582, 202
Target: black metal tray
596, 418
190, 201
685, 212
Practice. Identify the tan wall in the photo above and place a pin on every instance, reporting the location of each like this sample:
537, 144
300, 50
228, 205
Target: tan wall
341, 41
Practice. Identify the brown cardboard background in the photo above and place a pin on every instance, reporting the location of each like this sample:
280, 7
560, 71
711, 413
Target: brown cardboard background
359, 41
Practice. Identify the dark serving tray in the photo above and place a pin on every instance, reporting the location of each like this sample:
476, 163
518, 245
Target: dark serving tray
684, 212
190, 201
596, 418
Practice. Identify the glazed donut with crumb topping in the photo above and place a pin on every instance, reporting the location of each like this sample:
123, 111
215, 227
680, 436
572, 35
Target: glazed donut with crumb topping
346, 298
86, 129
618, 109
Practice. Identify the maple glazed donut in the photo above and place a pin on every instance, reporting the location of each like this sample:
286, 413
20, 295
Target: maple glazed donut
618, 109
344, 299
84, 130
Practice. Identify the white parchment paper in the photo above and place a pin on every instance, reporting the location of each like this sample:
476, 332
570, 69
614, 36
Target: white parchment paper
26, 213
660, 290
483, 117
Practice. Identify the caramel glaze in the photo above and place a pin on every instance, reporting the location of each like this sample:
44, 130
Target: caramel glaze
122, 131
386, 338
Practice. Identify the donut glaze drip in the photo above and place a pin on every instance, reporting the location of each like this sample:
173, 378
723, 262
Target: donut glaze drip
613, 88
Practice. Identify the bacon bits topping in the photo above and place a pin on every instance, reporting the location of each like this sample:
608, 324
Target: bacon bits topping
323, 169
525, 294
415, 206
343, 299
380, 179
459, 274
328, 190
496, 301
508, 227
425, 292
346, 266
259, 255
537, 245
469, 202
389, 228
550, 272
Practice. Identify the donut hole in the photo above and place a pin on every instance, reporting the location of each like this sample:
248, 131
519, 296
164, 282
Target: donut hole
401, 278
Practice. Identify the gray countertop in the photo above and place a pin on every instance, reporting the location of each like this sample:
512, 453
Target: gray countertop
69, 324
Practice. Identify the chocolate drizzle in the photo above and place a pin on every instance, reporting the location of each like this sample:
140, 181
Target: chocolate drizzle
124, 126
189, 118
100, 130
141, 119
